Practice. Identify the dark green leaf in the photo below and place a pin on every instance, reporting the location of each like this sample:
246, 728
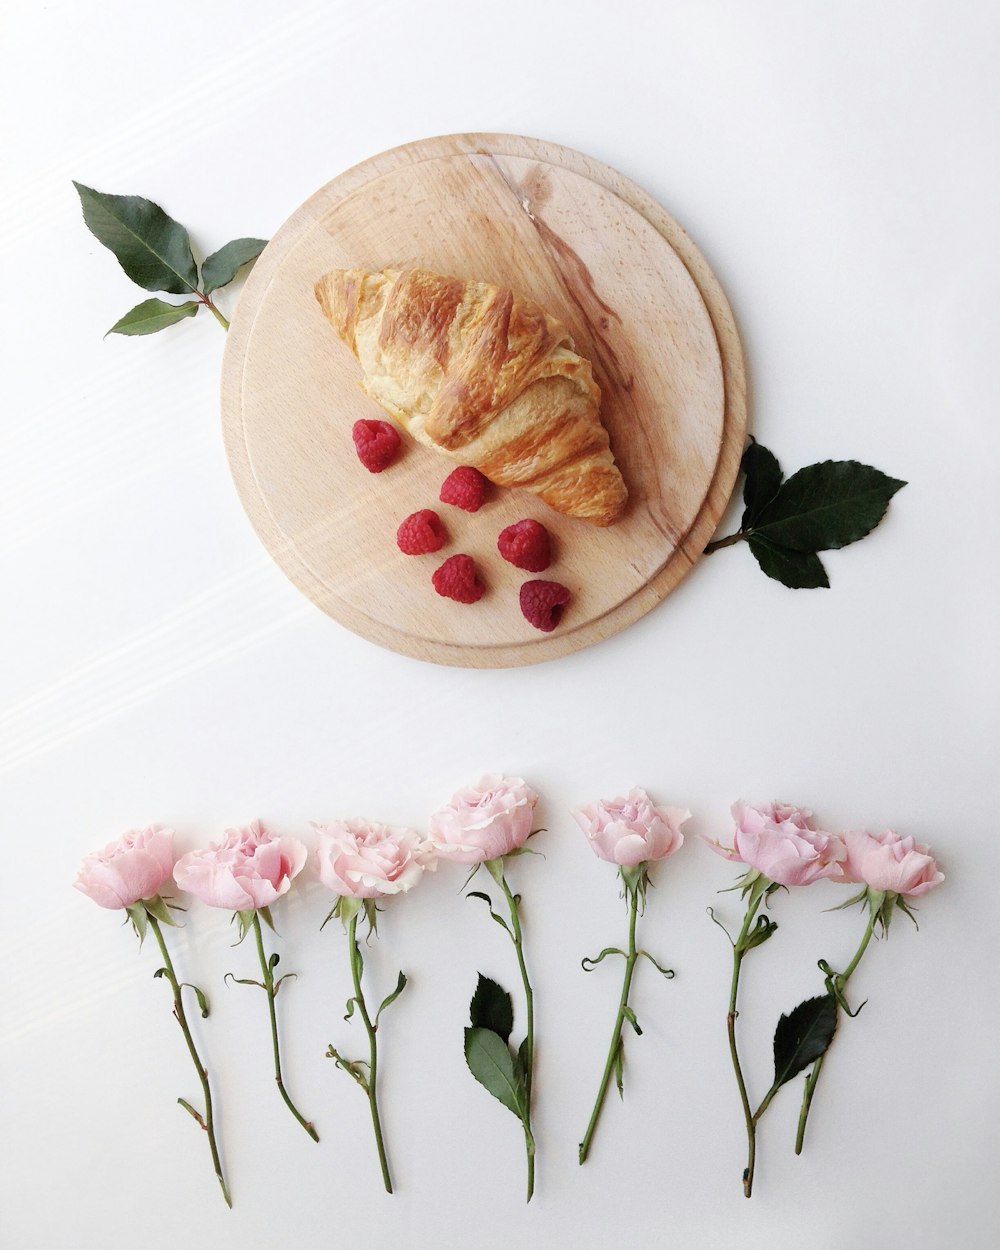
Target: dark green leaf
798, 569
490, 1062
827, 505
152, 248
223, 266
152, 315
802, 1036
391, 998
763, 478
491, 1008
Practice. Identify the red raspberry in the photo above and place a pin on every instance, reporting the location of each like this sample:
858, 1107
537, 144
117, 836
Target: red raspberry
457, 579
526, 544
542, 603
465, 488
377, 443
420, 533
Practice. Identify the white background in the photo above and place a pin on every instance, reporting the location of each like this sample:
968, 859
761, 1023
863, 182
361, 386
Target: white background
838, 166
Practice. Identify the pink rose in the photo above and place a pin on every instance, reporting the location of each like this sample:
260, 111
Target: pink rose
631, 831
888, 862
779, 842
484, 821
249, 868
362, 859
130, 869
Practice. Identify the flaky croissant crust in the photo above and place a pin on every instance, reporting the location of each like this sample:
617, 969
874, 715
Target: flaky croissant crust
483, 375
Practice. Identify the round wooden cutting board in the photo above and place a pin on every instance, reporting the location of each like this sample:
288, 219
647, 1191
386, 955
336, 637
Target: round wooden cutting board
642, 306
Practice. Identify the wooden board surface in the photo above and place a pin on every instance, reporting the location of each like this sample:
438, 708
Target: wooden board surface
641, 304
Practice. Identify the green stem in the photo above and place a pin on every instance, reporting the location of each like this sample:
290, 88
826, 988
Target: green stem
207, 1122
616, 1036
840, 982
728, 541
268, 975
529, 1141
738, 953
204, 299
359, 998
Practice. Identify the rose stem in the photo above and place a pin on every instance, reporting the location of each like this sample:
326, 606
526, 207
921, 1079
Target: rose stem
616, 1036
359, 998
529, 1141
739, 951
207, 1123
840, 982
268, 974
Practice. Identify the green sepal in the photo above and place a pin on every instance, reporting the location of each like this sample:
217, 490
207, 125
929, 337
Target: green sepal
391, 998
371, 915
153, 315
345, 909
152, 248
834, 985
665, 972
265, 915
158, 907
222, 266
243, 980
629, 1015
351, 1003
244, 921
764, 928
495, 868
860, 897
492, 1008
200, 996
635, 881
136, 912
289, 976
353, 1067
489, 1060
191, 1111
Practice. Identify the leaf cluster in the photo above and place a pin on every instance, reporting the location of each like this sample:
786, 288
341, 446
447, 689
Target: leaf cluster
822, 507
155, 252
488, 1052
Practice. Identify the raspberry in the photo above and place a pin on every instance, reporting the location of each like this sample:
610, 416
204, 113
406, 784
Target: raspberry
457, 579
527, 545
465, 488
377, 443
542, 603
420, 533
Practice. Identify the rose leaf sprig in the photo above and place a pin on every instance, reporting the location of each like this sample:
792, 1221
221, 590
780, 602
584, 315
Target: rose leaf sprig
892, 869
361, 862
485, 825
130, 874
155, 252
246, 873
781, 848
632, 833
820, 508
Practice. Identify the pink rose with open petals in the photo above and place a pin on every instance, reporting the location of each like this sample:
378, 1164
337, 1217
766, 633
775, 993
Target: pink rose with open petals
888, 862
363, 859
632, 830
133, 868
484, 821
779, 842
248, 869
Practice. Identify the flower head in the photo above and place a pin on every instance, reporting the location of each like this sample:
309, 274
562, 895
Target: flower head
133, 868
632, 830
888, 862
363, 859
484, 821
248, 869
779, 842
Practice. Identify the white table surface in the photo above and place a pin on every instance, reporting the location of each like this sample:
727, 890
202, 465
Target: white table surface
838, 166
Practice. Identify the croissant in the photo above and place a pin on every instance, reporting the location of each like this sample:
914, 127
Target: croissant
484, 376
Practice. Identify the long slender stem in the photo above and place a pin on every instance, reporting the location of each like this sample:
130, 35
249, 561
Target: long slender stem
529, 1141
207, 1121
359, 998
616, 1037
268, 975
813, 1076
738, 953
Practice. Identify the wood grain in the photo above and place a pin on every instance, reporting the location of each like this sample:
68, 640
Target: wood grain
641, 304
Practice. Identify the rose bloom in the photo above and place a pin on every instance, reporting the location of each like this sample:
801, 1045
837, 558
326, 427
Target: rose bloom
779, 841
249, 868
632, 830
130, 869
363, 859
484, 821
888, 862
